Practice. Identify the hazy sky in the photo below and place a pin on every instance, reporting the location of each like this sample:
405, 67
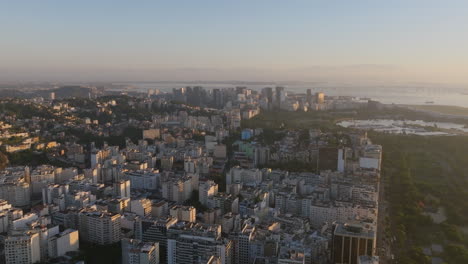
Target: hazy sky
350, 40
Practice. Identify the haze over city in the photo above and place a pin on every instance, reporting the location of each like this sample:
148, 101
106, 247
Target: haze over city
332, 41
234, 132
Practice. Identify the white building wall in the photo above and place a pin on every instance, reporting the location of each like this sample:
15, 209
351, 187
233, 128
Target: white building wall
341, 160
369, 163
68, 241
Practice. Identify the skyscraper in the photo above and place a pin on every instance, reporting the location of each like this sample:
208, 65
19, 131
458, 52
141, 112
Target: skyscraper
218, 98
279, 96
319, 98
309, 97
267, 92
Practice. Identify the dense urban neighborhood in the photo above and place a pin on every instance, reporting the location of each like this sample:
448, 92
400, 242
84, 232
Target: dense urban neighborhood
182, 177
234, 132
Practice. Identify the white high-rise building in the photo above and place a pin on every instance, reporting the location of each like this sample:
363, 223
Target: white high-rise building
155, 229
178, 189
172, 190
196, 243
63, 242
341, 160
190, 165
15, 185
41, 177
207, 189
55, 194
144, 179
141, 207
21, 249
15, 191
135, 251
122, 188
99, 227
63, 175
239, 175
184, 213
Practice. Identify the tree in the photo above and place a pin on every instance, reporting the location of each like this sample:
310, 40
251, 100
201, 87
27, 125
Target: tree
456, 253
3, 161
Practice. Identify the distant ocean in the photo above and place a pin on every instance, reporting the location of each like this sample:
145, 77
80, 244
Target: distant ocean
397, 94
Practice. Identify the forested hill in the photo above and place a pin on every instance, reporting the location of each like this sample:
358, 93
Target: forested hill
60, 93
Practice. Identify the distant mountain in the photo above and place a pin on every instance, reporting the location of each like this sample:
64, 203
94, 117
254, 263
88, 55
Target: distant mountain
60, 93
71, 91
13, 93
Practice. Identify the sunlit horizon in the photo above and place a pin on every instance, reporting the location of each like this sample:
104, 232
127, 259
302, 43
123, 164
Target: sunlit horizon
353, 42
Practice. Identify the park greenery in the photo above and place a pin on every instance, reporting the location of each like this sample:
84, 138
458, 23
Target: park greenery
281, 119
421, 175
326, 120
443, 109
